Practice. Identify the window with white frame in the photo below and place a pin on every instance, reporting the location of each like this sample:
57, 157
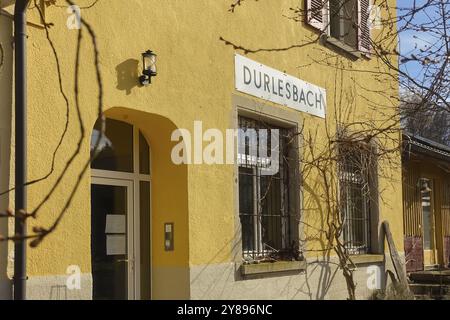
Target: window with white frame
348, 21
267, 216
356, 186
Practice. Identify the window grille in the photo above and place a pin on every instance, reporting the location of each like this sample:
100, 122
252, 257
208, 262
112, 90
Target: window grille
355, 194
264, 204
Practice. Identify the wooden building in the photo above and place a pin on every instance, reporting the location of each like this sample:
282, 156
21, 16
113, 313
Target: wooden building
426, 203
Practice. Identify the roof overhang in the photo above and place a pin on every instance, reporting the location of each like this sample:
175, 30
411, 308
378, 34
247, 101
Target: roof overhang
419, 148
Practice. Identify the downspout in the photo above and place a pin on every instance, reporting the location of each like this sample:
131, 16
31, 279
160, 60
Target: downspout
20, 85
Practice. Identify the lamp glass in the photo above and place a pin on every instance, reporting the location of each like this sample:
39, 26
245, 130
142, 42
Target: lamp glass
153, 63
149, 63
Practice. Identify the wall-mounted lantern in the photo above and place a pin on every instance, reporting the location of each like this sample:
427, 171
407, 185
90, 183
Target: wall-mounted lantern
424, 185
149, 67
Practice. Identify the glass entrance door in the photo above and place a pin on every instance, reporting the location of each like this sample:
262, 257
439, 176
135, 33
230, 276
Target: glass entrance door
121, 217
112, 244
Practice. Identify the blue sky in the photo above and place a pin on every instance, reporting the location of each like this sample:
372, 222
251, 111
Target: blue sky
411, 41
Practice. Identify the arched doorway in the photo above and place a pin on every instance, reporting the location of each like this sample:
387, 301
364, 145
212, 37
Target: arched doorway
120, 212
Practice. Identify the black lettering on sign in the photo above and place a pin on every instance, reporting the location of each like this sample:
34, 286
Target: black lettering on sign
280, 88
273, 86
288, 90
257, 84
308, 95
266, 83
247, 79
295, 93
319, 101
302, 97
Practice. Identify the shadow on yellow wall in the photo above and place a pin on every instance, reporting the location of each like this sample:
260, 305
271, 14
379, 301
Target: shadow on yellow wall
127, 75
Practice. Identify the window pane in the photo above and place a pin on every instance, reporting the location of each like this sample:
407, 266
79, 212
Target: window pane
144, 155
109, 268
427, 214
246, 207
350, 16
115, 150
271, 211
335, 19
344, 20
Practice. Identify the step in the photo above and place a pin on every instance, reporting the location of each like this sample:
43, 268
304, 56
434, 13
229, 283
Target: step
430, 277
425, 297
432, 267
429, 289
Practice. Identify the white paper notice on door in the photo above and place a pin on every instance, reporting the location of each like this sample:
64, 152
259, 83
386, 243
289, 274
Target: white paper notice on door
116, 244
115, 223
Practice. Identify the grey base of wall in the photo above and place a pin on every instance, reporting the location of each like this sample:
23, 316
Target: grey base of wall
5, 289
319, 280
55, 288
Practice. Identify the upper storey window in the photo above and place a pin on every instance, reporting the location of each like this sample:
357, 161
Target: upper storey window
345, 21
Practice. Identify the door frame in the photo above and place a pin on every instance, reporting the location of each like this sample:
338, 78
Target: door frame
134, 178
133, 291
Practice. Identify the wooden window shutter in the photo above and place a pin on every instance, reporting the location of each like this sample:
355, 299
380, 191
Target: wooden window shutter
364, 43
315, 13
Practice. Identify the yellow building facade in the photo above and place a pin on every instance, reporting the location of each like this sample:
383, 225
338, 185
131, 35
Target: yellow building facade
168, 230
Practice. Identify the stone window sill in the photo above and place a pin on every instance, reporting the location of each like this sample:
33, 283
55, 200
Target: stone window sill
272, 267
339, 46
367, 258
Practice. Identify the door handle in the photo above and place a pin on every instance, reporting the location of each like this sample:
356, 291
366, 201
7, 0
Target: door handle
127, 261
123, 260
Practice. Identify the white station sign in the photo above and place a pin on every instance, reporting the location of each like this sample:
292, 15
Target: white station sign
269, 84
